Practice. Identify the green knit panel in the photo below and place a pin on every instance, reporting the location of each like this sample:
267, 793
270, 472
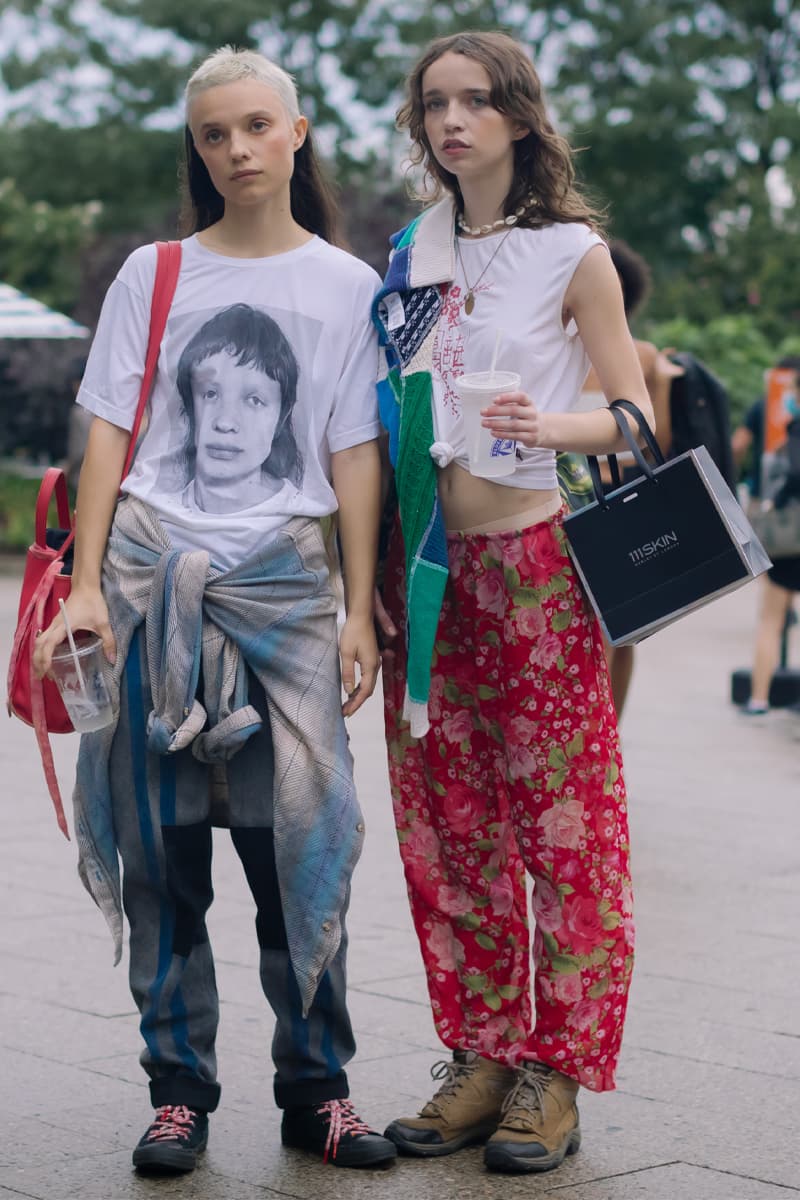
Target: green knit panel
424, 610
415, 472
408, 236
415, 478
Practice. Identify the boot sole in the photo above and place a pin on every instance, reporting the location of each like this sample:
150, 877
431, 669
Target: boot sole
375, 1156
165, 1160
410, 1149
501, 1157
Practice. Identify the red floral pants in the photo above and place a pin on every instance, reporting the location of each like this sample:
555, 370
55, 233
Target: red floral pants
520, 769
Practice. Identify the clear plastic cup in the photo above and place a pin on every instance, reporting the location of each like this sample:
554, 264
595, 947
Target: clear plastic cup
489, 456
82, 683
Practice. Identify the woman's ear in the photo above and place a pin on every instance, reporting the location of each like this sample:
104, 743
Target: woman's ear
300, 130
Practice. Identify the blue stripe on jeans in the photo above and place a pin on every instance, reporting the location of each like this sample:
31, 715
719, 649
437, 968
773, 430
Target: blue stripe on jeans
136, 734
325, 998
300, 1026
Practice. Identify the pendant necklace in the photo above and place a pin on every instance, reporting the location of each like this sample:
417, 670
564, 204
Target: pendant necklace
469, 299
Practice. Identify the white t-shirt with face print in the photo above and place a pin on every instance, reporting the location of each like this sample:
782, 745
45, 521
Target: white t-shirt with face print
267, 367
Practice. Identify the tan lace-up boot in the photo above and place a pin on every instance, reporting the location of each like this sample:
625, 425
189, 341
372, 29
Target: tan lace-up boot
540, 1124
465, 1109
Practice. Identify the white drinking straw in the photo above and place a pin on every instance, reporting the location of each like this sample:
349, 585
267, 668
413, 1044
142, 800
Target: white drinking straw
497, 341
74, 650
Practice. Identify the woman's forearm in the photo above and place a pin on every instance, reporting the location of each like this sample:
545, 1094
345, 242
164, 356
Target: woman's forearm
98, 488
593, 432
356, 474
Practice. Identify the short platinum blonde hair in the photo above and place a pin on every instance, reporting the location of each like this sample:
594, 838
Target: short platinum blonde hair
228, 65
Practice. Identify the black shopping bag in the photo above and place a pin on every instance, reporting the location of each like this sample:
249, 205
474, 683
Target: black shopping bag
661, 545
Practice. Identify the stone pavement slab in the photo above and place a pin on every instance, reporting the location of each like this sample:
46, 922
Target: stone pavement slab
709, 1081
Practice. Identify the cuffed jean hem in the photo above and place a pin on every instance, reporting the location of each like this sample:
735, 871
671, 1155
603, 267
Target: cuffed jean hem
307, 1093
182, 1089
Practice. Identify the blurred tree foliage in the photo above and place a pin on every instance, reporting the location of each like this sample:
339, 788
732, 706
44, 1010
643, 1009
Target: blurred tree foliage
686, 114
689, 114
40, 244
685, 109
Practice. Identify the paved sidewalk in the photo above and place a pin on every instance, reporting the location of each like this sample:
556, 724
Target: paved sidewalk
707, 1106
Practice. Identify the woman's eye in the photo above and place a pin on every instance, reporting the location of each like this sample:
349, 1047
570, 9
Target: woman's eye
255, 401
210, 393
260, 125
213, 136
433, 105
479, 101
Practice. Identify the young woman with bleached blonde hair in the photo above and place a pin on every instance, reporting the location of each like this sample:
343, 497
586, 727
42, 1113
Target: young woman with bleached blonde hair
213, 599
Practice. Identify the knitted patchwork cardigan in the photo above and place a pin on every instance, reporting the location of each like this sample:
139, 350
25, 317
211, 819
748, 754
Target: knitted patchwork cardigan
406, 312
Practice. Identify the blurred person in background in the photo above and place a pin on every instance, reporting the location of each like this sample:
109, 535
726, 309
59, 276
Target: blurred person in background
782, 582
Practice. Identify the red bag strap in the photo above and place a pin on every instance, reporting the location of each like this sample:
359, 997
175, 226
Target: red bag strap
168, 266
38, 713
53, 483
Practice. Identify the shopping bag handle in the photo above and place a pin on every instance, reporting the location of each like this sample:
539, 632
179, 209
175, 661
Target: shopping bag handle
644, 429
617, 408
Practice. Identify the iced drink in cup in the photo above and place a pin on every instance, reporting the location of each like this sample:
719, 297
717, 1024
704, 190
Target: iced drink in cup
81, 682
489, 456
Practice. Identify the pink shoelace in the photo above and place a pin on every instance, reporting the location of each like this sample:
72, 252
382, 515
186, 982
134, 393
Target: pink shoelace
343, 1120
171, 1123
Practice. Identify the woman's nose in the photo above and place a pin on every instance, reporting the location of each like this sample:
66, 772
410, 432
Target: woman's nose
452, 116
239, 146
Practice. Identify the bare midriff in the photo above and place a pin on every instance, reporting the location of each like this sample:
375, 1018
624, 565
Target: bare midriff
468, 501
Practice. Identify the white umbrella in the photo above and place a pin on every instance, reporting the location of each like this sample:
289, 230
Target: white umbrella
23, 317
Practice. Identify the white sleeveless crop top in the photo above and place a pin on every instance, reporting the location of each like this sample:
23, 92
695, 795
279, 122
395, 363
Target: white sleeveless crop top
519, 291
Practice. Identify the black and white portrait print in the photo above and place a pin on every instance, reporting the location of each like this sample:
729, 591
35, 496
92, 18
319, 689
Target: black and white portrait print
237, 381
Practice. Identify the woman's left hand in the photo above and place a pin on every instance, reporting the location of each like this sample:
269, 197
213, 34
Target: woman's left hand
358, 645
514, 415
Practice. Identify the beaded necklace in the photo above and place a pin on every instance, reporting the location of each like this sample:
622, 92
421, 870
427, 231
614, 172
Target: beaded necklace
477, 230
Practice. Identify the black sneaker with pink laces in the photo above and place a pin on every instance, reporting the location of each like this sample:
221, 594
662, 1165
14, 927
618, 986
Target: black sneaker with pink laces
173, 1141
336, 1134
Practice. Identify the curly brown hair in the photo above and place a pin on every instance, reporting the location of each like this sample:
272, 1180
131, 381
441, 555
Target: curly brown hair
543, 159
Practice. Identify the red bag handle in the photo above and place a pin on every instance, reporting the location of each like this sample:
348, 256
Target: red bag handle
53, 482
168, 266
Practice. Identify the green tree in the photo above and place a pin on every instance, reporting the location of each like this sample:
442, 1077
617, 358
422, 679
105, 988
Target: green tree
688, 113
41, 245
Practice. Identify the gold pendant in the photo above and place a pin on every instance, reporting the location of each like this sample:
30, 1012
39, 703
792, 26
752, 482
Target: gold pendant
469, 303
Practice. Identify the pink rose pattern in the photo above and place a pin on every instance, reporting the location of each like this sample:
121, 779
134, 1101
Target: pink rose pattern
521, 770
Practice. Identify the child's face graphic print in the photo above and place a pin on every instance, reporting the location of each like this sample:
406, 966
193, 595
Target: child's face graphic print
237, 387
237, 407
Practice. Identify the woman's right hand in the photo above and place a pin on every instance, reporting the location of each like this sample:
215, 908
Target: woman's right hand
86, 609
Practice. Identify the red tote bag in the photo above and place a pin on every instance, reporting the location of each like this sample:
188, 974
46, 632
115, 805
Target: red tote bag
48, 565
